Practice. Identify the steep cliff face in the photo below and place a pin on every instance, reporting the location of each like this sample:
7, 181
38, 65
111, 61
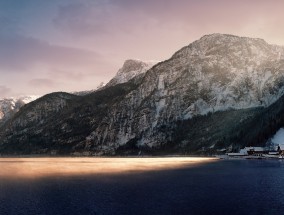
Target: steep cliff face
200, 99
216, 73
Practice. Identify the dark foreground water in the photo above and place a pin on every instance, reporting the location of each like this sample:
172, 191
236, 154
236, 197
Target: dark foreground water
219, 187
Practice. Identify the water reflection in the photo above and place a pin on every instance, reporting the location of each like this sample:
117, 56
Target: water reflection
43, 167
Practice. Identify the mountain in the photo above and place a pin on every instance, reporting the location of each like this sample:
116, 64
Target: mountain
9, 106
131, 69
219, 92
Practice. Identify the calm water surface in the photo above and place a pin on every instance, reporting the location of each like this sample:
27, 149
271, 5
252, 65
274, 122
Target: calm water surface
135, 186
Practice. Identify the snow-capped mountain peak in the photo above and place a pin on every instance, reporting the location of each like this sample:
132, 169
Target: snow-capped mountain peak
237, 72
130, 69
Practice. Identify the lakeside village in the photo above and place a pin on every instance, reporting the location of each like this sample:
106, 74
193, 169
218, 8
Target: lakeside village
272, 152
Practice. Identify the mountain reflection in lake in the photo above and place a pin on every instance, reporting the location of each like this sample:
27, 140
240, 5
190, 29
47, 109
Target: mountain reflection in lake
69, 186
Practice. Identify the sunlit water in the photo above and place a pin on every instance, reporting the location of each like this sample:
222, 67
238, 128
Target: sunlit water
140, 186
34, 168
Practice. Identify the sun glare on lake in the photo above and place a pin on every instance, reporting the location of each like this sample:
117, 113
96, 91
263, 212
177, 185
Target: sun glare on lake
44, 167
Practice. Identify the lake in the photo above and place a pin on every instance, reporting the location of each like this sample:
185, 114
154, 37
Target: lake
140, 186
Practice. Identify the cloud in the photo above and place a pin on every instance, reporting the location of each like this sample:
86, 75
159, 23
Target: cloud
97, 18
53, 67
42, 83
69, 75
4, 91
84, 19
114, 17
38, 40
20, 53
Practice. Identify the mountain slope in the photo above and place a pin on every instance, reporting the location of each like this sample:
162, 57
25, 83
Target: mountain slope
209, 95
57, 122
217, 72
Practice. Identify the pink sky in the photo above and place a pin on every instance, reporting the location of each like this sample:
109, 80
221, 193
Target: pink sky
73, 45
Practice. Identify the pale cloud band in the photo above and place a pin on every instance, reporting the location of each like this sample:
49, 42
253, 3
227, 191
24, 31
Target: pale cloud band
72, 45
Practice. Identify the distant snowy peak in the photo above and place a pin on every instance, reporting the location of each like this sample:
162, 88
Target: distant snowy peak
9, 106
27, 99
130, 69
12, 102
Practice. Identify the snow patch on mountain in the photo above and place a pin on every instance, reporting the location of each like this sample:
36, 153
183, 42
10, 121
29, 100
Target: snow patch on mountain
278, 138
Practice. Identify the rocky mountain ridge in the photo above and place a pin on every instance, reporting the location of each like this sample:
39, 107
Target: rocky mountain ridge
199, 100
217, 72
